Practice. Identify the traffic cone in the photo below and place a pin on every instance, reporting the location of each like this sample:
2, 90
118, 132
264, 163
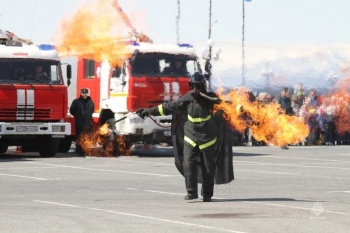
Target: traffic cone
19, 149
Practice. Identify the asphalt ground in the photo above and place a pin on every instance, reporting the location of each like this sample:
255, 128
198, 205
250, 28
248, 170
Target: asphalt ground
303, 189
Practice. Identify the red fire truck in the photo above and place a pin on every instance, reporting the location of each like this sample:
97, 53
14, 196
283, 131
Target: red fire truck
142, 81
33, 107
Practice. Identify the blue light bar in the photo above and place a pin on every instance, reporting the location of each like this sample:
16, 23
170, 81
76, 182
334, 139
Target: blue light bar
185, 45
46, 47
134, 43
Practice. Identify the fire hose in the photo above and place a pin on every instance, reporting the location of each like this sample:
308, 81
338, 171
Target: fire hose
123, 118
215, 99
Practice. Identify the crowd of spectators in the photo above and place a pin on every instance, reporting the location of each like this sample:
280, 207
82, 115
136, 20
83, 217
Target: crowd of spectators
316, 111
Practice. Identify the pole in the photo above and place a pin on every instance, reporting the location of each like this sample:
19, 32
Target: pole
208, 65
177, 22
243, 53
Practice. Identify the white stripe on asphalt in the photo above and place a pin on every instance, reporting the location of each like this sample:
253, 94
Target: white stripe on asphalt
293, 165
323, 160
282, 173
28, 177
339, 191
137, 216
147, 162
104, 170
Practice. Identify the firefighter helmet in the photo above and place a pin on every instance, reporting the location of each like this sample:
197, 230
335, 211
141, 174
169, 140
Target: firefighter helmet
197, 78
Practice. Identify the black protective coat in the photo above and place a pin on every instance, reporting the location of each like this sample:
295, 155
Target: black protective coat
200, 133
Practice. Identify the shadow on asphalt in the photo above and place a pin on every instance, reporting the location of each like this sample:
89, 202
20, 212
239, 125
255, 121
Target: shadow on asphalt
247, 154
256, 200
159, 152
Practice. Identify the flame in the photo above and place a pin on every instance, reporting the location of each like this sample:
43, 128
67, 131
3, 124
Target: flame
103, 142
267, 121
340, 104
94, 32
103, 130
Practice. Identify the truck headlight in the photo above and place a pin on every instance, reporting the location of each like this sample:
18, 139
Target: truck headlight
58, 128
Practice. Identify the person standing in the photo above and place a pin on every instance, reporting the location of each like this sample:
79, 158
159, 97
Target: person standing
198, 139
286, 104
82, 109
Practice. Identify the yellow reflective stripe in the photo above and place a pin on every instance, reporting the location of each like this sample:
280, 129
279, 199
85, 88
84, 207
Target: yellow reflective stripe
198, 120
189, 140
203, 146
210, 143
160, 109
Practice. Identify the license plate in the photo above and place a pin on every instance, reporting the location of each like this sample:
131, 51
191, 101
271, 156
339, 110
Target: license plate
26, 129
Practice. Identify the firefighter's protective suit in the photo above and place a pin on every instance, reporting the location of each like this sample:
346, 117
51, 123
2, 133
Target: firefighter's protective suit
202, 143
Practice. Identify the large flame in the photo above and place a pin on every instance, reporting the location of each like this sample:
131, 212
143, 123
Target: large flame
267, 122
339, 106
103, 142
94, 31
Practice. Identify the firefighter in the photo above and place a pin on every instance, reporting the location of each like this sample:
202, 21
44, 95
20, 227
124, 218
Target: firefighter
196, 140
82, 109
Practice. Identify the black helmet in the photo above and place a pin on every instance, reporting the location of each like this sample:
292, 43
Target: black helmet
197, 78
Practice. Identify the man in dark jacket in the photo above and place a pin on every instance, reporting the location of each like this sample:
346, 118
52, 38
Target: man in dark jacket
82, 109
197, 140
286, 104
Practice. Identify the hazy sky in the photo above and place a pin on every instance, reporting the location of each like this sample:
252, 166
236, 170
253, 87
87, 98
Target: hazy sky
268, 22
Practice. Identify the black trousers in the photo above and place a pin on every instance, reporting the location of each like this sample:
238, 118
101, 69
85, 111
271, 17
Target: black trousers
207, 164
80, 129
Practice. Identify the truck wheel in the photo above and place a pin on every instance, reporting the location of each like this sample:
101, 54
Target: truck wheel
65, 144
3, 148
49, 147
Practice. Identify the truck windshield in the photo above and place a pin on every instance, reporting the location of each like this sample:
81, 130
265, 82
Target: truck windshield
29, 71
171, 65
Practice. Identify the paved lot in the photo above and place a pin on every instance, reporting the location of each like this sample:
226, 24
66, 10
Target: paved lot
304, 189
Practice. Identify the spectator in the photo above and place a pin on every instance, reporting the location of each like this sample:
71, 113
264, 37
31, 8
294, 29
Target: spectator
286, 104
325, 121
82, 109
308, 114
314, 100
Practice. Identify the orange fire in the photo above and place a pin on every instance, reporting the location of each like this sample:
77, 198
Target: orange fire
95, 31
340, 102
267, 122
103, 142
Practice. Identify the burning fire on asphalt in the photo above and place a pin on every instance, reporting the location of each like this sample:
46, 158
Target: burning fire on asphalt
103, 142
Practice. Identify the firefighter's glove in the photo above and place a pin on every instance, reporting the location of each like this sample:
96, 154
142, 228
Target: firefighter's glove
143, 112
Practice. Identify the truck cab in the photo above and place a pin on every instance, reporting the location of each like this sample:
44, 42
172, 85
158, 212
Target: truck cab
152, 75
33, 97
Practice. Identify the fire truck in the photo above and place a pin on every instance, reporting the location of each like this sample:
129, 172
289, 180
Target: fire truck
33, 107
143, 80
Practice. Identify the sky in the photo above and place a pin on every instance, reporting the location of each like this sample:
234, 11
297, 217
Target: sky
267, 22
273, 28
